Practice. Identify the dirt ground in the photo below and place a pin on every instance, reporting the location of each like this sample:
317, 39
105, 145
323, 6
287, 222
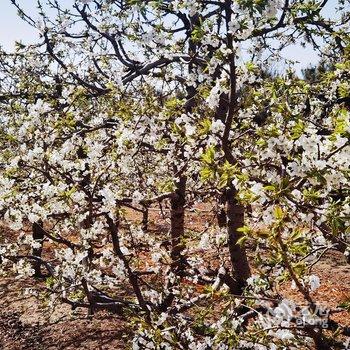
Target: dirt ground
26, 324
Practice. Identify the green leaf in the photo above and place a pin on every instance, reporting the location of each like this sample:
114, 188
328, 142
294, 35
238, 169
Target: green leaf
297, 129
242, 240
207, 174
278, 212
269, 188
244, 229
208, 156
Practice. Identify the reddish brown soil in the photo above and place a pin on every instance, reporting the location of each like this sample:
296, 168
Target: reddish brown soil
26, 324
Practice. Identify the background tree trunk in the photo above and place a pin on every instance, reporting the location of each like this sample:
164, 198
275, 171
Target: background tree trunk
38, 236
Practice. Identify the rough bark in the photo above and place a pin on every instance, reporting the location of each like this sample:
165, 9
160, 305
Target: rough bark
221, 216
145, 218
178, 201
38, 236
238, 256
177, 219
235, 212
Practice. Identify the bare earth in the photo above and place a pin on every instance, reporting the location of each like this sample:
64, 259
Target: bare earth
26, 324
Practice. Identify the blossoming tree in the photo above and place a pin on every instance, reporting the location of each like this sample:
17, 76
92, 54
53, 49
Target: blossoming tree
130, 104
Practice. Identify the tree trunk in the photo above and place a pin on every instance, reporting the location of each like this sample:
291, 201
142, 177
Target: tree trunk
177, 224
133, 279
145, 213
177, 229
238, 256
38, 236
221, 216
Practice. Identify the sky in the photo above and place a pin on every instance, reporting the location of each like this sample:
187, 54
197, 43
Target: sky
12, 29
